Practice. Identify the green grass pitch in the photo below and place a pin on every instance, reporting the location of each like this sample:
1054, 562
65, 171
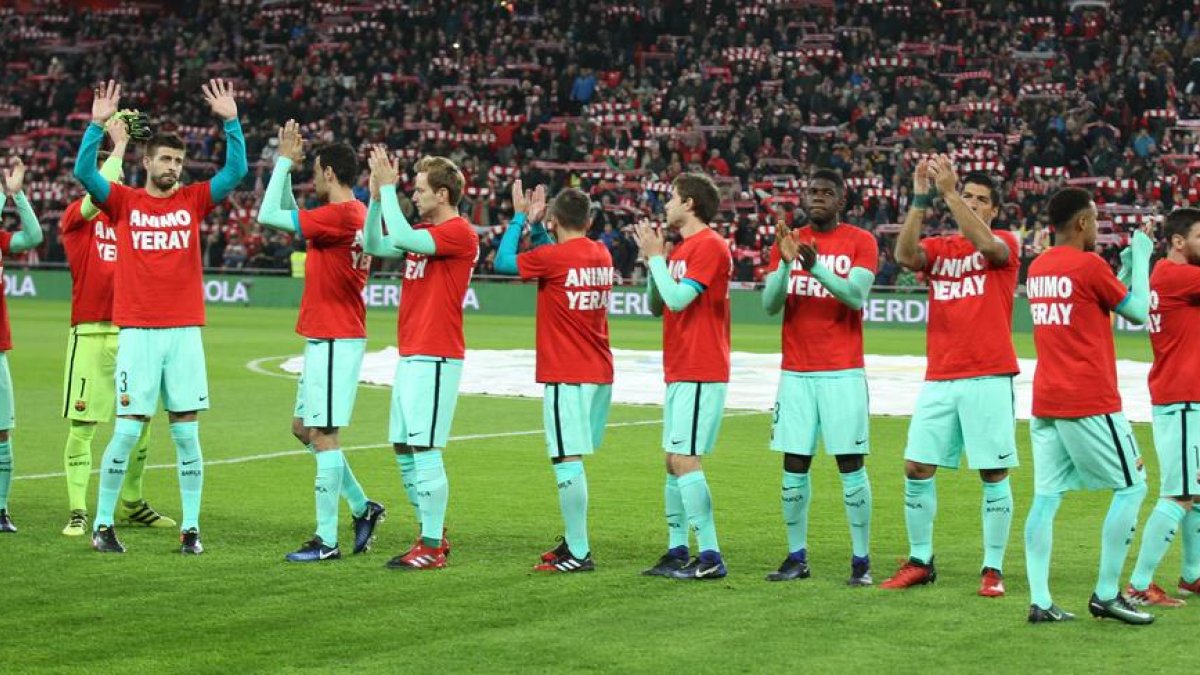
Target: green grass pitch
240, 608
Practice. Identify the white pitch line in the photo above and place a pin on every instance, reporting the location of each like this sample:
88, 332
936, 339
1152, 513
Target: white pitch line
291, 453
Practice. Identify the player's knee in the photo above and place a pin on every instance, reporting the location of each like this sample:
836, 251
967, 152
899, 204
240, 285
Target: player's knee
1183, 502
3, 435
300, 431
324, 438
919, 471
993, 475
189, 416
679, 465
401, 449
849, 463
796, 463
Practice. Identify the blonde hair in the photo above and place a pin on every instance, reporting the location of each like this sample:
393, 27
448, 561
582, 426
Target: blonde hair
441, 173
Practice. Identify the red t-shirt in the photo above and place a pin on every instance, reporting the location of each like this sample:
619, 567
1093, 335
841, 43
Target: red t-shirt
431, 313
696, 340
335, 271
574, 290
5, 329
91, 247
970, 308
1175, 333
819, 332
1071, 295
160, 277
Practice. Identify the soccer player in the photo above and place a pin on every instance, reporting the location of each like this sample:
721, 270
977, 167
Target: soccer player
1175, 393
11, 243
1081, 439
440, 256
966, 404
88, 399
821, 276
333, 319
574, 361
158, 300
690, 290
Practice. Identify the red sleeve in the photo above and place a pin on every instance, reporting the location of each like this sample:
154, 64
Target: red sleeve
932, 247
6, 242
118, 197
537, 263
709, 262
454, 241
1109, 291
866, 254
1014, 248
72, 218
200, 196
320, 226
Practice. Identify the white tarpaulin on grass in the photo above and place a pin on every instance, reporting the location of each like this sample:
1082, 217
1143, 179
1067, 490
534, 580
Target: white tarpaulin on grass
894, 381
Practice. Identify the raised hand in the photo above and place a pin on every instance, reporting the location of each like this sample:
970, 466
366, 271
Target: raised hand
14, 178
537, 204
219, 95
943, 174
921, 178
117, 130
788, 247
291, 143
649, 239
520, 200
807, 254
384, 171
105, 100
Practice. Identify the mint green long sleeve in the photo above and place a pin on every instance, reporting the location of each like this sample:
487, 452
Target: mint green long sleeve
774, 295
31, 230
675, 295
851, 291
400, 233
1136, 306
278, 209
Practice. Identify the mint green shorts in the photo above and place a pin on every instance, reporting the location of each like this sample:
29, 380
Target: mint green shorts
424, 395
1177, 444
8, 412
329, 383
976, 414
161, 361
1085, 453
692, 417
833, 405
574, 416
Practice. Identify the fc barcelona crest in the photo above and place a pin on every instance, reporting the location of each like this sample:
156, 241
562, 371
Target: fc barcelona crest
80, 406
124, 400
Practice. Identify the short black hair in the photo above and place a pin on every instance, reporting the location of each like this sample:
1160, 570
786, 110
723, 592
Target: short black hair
830, 175
985, 180
1066, 204
342, 159
706, 198
1180, 222
572, 209
164, 140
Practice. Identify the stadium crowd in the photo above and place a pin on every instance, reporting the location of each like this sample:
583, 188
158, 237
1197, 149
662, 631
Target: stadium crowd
618, 97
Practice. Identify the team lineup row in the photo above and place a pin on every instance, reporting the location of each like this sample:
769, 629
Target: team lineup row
137, 309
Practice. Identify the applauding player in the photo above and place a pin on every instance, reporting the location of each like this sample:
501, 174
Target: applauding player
333, 321
1081, 439
439, 259
691, 292
822, 275
29, 237
574, 361
159, 299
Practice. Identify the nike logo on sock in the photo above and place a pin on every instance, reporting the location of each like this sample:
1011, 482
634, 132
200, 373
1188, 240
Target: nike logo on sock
998, 499
77, 456
851, 494
191, 462
118, 461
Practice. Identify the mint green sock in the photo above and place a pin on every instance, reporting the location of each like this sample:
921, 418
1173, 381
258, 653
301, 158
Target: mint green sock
997, 508
1161, 526
126, 433
797, 494
408, 477
331, 464
1119, 526
433, 494
190, 466
573, 501
856, 496
697, 504
1191, 545
1039, 541
352, 491
6, 472
920, 508
677, 534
